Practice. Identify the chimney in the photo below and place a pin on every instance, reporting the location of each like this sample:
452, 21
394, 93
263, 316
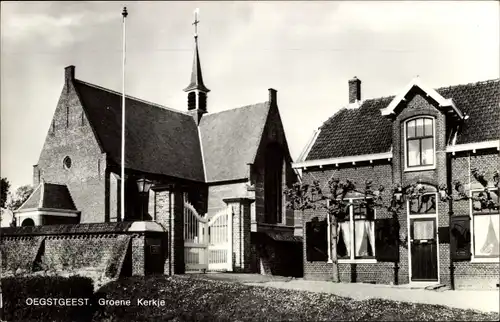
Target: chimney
354, 90
273, 96
69, 74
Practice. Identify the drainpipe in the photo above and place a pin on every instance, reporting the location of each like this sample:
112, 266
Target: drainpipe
170, 237
450, 214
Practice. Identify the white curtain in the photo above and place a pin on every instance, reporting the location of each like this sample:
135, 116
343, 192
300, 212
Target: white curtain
486, 235
346, 235
364, 234
360, 242
370, 230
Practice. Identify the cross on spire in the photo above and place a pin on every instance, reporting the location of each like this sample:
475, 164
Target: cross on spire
196, 22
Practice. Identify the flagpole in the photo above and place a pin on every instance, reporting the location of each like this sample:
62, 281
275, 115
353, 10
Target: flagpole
122, 186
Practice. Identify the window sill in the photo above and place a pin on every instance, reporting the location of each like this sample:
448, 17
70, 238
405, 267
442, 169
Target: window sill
420, 168
485, 260
278, 225
356, 261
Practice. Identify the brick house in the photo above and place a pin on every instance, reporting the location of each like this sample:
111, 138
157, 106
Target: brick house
421, 135
237, 157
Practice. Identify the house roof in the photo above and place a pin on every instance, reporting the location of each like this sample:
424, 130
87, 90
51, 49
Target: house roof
365, 130
49, 196
158, 139
481, 103
230, 140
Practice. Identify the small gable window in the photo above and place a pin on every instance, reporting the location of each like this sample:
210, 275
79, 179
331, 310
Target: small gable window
67, 116
420, 142
67, 163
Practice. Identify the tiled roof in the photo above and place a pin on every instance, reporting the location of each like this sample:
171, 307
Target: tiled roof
364, 130
52, 196
158, 140
230, 140
33, 201
57, 196
354, 132
481, 102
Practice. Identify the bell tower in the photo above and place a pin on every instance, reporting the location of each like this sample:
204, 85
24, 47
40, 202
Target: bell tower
196, 90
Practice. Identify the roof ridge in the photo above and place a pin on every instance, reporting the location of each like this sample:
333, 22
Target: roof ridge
489, 81
343, 108
438, 88
236, 108
55, 184
379, 98
132, 97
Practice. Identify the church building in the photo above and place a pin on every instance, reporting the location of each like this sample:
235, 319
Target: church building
238, 157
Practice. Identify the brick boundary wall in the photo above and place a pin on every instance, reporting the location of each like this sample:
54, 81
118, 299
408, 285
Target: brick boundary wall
69, 248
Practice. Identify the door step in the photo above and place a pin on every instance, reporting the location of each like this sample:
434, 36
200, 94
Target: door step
438, 287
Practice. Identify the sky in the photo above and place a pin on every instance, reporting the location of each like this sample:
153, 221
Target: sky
306, 50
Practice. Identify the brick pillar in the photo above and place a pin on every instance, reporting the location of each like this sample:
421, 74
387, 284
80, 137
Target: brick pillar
145, 258
241, 233
170, 214
138, 255
178, 231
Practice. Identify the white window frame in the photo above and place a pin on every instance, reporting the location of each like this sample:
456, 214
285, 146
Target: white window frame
475, 259
351, 227
405, 142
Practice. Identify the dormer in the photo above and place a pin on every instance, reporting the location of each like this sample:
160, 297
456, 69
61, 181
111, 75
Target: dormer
445, 105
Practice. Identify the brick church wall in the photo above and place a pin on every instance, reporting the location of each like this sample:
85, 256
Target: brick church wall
70, 135
273, 133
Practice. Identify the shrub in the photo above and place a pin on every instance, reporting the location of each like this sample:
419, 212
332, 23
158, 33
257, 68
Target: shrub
32, 298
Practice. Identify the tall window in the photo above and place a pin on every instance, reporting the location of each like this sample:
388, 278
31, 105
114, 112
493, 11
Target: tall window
273, 180
67, 116
485, 216
420, 142
356, 232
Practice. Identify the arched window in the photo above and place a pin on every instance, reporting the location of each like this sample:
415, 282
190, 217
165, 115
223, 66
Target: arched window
419, 139
28, 222
273, 181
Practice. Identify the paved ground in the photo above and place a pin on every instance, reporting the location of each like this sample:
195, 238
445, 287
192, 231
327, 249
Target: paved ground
486, 301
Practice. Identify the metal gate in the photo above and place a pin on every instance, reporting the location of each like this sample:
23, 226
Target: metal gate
208, 243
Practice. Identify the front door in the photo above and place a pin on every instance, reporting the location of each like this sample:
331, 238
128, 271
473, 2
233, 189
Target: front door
423, 247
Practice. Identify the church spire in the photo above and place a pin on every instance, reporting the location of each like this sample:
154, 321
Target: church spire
197, 91
196, 75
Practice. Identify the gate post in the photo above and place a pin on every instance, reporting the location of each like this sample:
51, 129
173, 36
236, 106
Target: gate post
229, 214
241, 244
170, 213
